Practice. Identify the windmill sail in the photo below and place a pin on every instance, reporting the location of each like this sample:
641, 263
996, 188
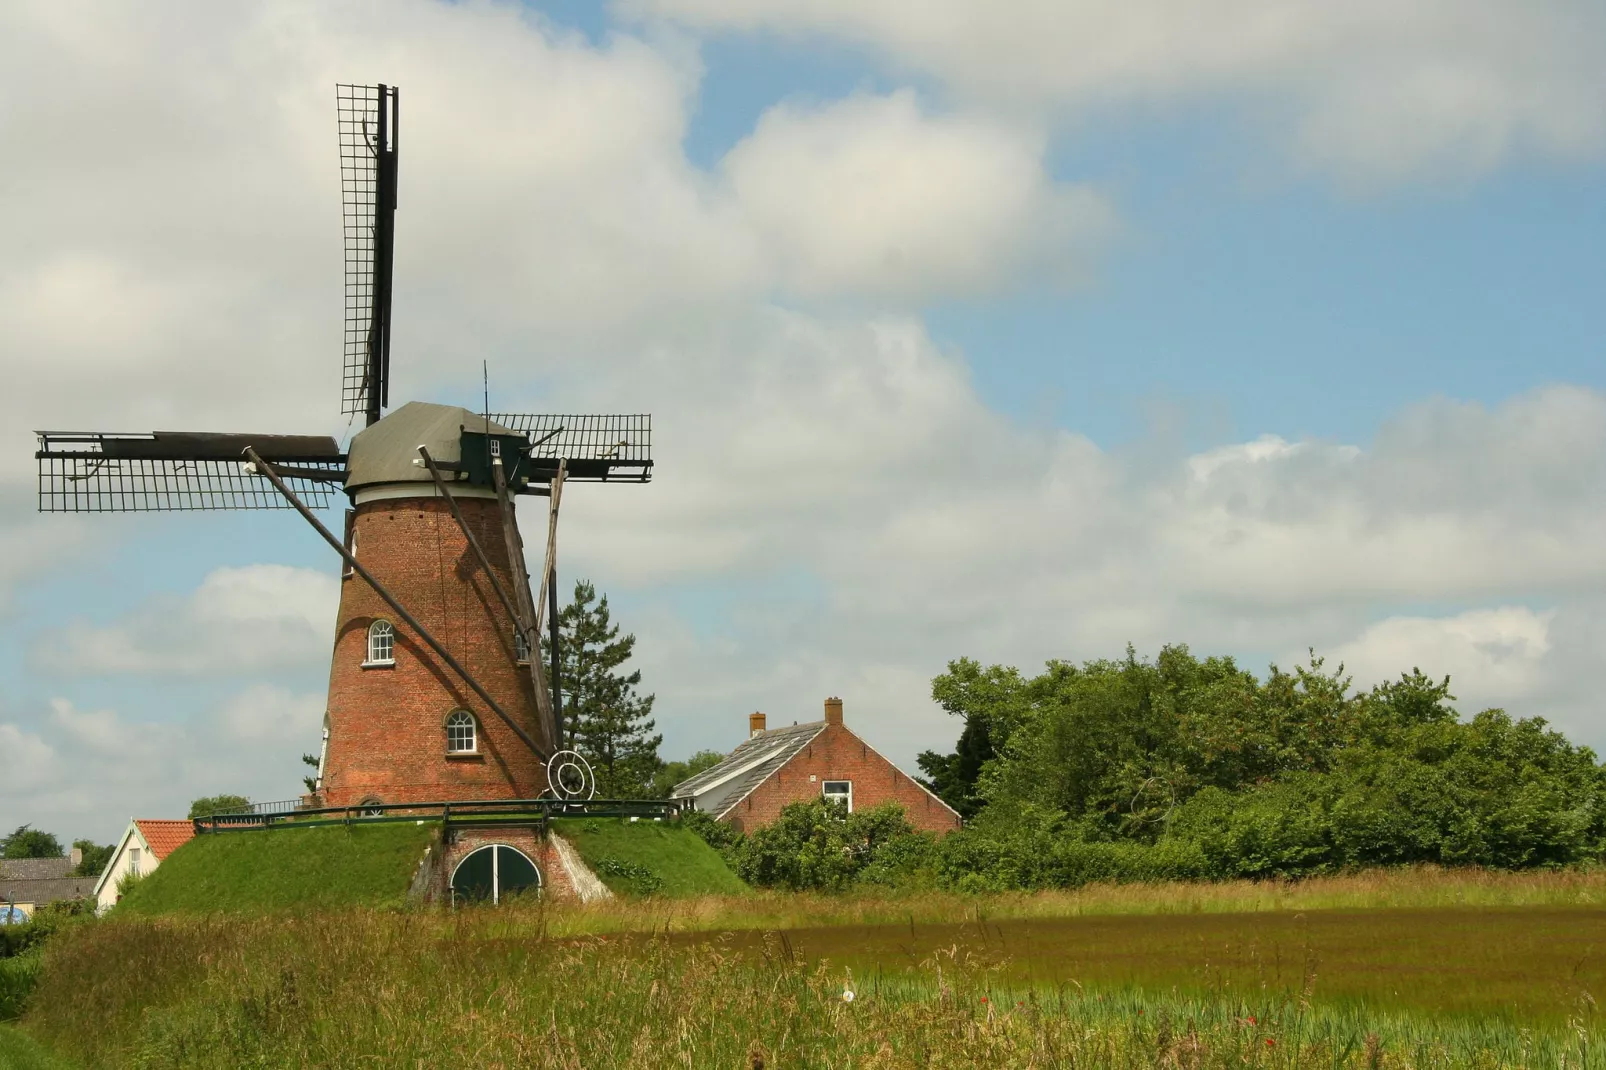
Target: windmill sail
367, 118
179, 471
595, 448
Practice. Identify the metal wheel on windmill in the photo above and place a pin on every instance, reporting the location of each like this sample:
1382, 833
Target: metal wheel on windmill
437, 689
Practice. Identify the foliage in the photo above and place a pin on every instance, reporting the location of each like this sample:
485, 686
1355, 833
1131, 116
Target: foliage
285, 869
311, 781
93, 859
208, 805
649, 857
27, 842
671, 773
19, 1051
818, 845
717, 834
604, 718
1178, 767
632, 878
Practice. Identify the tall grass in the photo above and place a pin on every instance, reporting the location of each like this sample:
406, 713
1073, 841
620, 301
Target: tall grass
1402, 888
486, 988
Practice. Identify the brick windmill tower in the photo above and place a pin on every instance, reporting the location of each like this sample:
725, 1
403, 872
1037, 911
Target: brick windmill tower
436, 688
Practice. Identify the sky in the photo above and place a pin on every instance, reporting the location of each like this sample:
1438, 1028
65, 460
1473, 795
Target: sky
1011, 331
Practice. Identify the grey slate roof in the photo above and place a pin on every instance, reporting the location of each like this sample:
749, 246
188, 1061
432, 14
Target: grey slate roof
385, 452
41, 880
34, 869
720, 787
46, 891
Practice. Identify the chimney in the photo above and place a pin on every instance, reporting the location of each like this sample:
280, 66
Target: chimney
755, 724
833, 711
77, 857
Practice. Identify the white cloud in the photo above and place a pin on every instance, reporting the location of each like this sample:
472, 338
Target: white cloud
266, 712
872, 198
1493, 656
1372, 90
239, 621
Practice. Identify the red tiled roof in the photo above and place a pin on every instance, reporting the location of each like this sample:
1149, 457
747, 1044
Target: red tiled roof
165, 837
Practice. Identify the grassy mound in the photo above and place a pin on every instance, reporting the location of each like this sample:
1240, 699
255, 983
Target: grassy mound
284, 869
649, 857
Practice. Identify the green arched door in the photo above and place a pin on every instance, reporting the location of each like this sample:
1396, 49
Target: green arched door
492, 872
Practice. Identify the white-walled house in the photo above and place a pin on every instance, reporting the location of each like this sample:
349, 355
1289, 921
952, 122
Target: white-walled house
140, 851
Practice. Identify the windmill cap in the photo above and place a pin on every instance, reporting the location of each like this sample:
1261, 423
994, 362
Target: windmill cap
383, 455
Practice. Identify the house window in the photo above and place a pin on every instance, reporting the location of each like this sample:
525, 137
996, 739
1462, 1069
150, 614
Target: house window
381, 643
839, 791
133, 861
460, 733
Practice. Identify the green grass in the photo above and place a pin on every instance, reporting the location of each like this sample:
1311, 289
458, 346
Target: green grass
284, 869
489, 987
19, 1051
649, 857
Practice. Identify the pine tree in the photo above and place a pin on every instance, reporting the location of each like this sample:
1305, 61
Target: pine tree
603, 716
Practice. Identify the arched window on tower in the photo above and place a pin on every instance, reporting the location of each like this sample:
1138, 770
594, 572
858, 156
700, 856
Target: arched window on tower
381, 643
462, 736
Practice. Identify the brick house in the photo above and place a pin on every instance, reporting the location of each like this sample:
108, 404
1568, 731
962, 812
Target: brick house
144, 845
777, 766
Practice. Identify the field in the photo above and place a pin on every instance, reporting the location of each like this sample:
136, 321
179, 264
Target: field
1417, 968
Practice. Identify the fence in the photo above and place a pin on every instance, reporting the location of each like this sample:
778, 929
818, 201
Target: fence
460, 813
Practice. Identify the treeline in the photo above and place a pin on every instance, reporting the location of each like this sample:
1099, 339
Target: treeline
1187, 768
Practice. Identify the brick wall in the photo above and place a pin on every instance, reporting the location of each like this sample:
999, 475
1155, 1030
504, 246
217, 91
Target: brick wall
837, 754
387, 738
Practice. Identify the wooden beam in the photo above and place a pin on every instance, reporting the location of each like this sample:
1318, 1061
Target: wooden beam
550, 728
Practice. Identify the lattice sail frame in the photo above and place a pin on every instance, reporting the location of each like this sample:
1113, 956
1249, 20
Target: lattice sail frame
367, 121
596, 448
91, 472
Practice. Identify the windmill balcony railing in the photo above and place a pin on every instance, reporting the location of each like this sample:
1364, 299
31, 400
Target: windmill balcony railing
455, 813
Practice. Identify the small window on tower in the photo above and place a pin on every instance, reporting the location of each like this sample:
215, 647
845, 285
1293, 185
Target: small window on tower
381, 643
840, 792
521, 646
460, 733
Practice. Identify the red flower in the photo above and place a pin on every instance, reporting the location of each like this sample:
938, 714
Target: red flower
1250, 1019
1140, 1010
984, 999
1270, 1043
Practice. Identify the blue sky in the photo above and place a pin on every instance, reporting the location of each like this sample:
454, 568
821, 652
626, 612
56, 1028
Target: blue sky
1211, 350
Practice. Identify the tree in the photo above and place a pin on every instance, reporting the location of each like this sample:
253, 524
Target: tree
671, 773
604, 718
94, 858
217, 804
310, 781
28, 842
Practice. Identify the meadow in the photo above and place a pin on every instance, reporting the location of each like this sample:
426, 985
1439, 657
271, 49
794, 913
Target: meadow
1416, 968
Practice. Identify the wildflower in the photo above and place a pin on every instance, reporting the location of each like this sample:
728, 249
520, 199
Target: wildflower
1250, 1019
1270, 1043
847, 995
1140, 1012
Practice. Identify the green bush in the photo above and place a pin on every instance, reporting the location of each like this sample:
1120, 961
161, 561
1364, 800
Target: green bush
17, 976
817, 845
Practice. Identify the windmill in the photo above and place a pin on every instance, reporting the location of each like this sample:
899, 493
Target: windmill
436, 687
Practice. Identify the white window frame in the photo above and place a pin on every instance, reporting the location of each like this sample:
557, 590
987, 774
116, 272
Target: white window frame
459, 719
827, 793
521, 646
133, 861
385, 632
